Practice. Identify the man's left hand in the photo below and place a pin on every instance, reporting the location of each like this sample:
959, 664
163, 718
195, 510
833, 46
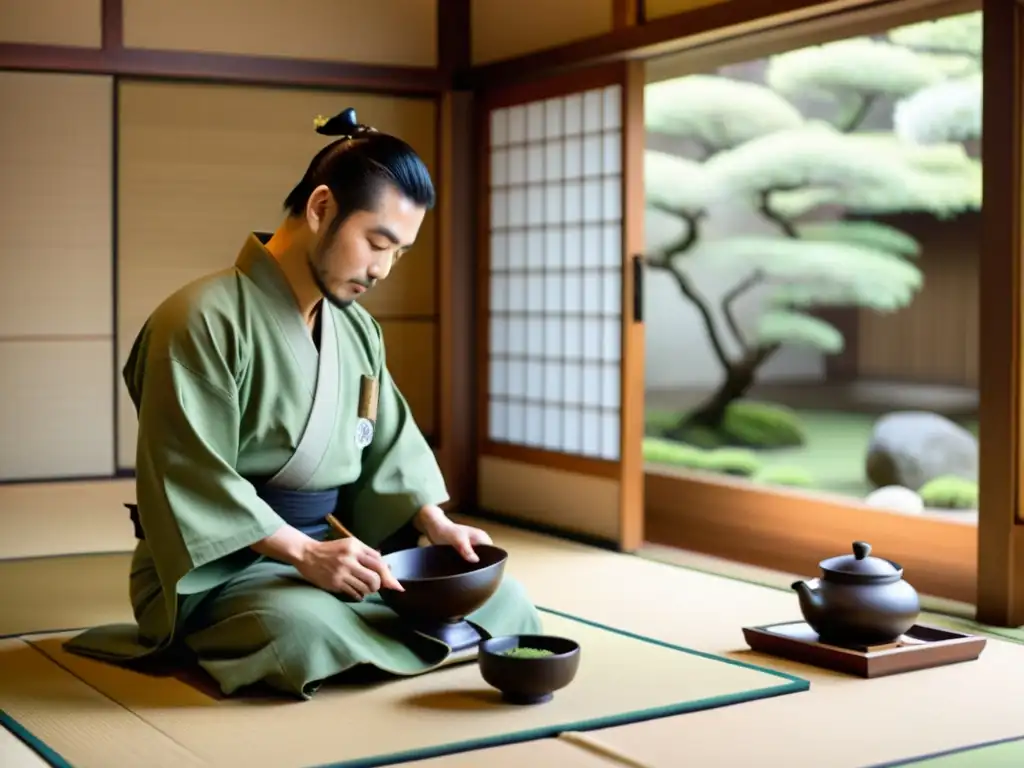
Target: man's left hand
438, 529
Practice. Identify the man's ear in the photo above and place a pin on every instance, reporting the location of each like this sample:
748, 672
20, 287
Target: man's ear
318, 208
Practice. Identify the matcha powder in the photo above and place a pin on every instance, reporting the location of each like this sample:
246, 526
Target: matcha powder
527, 653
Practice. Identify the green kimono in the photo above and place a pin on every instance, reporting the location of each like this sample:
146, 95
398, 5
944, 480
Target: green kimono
229, 385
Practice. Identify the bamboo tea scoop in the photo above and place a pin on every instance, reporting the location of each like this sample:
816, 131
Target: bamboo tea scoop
339, 529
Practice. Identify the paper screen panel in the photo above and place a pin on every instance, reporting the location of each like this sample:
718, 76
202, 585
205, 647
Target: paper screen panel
384, 32
503, 30
56, 409
57, 188
411, 347
203, 165
555, 300
52, 22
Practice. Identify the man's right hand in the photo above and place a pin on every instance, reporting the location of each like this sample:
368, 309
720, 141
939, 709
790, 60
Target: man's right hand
347, 566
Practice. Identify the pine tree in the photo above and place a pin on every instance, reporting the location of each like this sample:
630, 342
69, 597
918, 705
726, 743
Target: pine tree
758, 149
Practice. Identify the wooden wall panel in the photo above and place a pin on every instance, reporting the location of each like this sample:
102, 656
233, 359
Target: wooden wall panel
56, 298
935, 339
503, 30
52, 22
412, 359
202, 165
55, 221
655, 9
56, 408
589, 504
386, 32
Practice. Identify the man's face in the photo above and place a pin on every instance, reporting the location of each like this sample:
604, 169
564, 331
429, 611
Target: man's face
364, 248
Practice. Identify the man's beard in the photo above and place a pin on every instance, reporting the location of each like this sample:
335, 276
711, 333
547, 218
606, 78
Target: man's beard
315, 263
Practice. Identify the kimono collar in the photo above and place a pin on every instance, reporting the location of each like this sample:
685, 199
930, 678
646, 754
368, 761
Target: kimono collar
255, 261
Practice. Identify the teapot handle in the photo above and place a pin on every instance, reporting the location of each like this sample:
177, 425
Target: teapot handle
861, 549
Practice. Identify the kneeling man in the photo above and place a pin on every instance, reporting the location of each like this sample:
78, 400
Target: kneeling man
265, 404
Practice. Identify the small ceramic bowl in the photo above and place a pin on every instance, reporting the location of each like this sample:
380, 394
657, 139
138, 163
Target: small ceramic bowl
528, 669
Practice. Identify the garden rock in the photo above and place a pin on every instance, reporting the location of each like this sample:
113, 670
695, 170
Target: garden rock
896, 498
909, 448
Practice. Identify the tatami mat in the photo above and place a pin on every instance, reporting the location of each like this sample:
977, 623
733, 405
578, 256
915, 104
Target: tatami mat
14, 753
542, 753
1008, 753
622, 678
49, 699
842, 722
54, 593
42, 519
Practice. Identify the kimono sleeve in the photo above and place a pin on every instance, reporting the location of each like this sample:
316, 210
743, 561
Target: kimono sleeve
400, 474
199, 516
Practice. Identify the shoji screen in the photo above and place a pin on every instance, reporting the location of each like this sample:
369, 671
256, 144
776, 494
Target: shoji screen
556, 237
56, 295
556, 284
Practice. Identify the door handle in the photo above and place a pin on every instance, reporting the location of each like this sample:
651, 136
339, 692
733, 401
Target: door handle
638, 288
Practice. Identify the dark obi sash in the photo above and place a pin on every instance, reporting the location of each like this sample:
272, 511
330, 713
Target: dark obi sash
303, 510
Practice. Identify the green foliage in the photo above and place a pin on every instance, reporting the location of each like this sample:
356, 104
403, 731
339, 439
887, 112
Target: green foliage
738, 462
762, 425
675, 183
727, 461
791, 477
811, 155
816, 165
656, 421
960, 34
869, 234
950, 492
850, 68
747, 424
953, 66
782, 326
947, 111
717, 112
806, 273
703, 437
660, 451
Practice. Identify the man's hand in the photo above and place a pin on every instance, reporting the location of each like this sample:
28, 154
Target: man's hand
435, 525
347, 566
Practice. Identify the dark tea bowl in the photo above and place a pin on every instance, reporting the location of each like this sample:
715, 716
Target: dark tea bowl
512, 665
440, 585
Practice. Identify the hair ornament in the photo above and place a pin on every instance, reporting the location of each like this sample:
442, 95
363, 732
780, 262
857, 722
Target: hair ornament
344, 125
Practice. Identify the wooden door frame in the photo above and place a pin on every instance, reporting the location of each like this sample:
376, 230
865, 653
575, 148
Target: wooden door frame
1000, 587
628, 469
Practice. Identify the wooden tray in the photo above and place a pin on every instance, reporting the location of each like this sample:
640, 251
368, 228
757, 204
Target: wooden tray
921, 647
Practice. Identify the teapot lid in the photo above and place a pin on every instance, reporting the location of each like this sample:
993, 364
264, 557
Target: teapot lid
860, 563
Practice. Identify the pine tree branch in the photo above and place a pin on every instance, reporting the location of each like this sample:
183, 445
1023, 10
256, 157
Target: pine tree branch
664, 261
865, 101
764, 207
750, 281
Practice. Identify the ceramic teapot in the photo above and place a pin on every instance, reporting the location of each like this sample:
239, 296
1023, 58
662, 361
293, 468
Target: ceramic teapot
859, 600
